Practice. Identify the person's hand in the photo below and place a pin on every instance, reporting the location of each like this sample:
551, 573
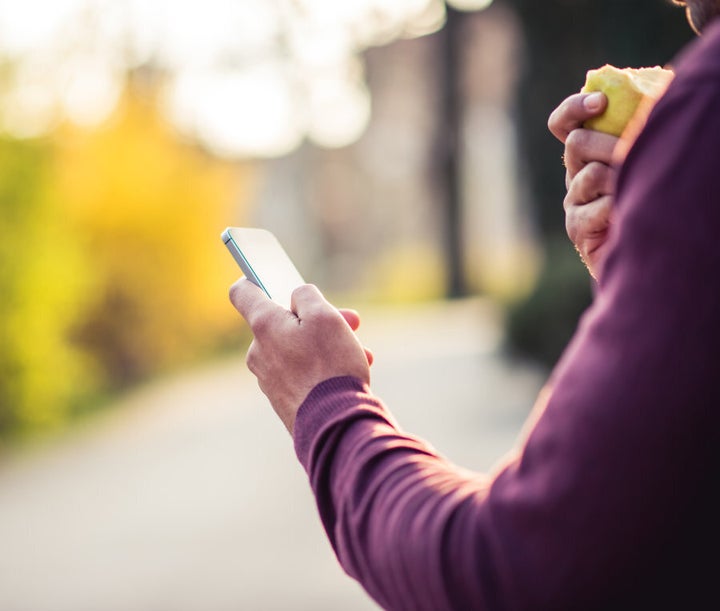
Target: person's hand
590, 175
293, 351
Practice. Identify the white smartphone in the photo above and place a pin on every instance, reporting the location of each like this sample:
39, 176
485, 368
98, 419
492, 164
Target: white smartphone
264, 262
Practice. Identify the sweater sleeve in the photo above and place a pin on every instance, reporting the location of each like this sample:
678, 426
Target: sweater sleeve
596, 497
386, 498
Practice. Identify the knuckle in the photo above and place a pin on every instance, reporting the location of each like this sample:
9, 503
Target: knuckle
553, 122
261, 324
574, 154
252, 358
576, 143
589, 173
570, 228
328, 316
303, 290
574, 230
565, 118
308, 293
588, 183
317, 313
595, 175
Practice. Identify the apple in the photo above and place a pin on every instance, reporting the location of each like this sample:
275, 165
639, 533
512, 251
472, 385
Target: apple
625, 89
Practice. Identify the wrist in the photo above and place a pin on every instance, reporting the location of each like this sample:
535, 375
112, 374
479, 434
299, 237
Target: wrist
327, 403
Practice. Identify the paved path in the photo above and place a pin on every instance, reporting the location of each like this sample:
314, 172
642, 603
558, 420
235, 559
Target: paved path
188, 497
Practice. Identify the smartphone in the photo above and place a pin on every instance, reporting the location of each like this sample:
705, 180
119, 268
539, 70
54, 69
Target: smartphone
264, 262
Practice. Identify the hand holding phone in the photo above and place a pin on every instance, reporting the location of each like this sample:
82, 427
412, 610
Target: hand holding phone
264, 262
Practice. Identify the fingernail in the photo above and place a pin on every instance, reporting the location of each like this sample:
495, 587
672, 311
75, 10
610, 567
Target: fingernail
593, 102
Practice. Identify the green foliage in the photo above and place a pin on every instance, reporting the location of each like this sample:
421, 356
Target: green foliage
43, 284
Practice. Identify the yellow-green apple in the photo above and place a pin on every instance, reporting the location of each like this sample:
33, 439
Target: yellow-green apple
625, 89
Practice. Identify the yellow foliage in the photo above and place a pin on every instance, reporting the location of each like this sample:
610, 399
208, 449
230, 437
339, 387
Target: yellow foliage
407, 273
150, 209
44, 284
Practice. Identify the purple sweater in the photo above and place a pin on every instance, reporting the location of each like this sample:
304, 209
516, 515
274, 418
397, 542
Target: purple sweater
610, 501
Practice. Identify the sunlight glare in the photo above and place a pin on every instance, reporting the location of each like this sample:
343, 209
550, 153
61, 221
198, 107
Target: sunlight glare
188, 35
31, 23
27, 111
71, 57
365, 22
427, 22
470, 5
91, 93
248, 113
339, 112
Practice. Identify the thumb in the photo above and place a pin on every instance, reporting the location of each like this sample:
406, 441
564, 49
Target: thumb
249, 300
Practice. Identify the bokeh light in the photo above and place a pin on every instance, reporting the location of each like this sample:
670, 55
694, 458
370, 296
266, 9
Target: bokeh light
470, 5
244, 78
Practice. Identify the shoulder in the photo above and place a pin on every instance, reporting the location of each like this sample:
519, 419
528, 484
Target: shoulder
667, 189
682, 131
700, 58
688, 106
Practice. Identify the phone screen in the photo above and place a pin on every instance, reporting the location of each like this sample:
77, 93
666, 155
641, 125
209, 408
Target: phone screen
264, 261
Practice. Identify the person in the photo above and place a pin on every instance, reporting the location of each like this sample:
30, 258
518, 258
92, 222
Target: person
608, 501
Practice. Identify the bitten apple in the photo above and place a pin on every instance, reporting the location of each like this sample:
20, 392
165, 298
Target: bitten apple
625, 89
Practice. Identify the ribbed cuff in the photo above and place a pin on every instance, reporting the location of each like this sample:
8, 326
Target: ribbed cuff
326, 401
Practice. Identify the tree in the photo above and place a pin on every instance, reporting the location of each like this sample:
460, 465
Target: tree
43, 285
112, 267
150, 209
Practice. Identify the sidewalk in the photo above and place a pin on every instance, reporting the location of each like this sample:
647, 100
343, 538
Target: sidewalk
188, 497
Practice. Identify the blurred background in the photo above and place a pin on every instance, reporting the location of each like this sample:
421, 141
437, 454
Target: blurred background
399, 150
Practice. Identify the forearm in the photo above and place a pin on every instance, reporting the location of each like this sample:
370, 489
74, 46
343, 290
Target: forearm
397, 514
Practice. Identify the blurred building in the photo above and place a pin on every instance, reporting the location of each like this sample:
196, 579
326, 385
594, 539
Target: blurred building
368, 219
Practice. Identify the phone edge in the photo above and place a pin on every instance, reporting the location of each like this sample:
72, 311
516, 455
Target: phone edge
240, 259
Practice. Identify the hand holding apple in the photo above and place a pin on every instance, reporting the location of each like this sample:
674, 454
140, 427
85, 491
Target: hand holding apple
625, 90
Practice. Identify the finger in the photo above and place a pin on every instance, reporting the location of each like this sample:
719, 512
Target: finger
587, 225
306, 299
251, 301
592, 218
351, 317
369, 356
583, 146
595, 180
574, 111
253, 360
